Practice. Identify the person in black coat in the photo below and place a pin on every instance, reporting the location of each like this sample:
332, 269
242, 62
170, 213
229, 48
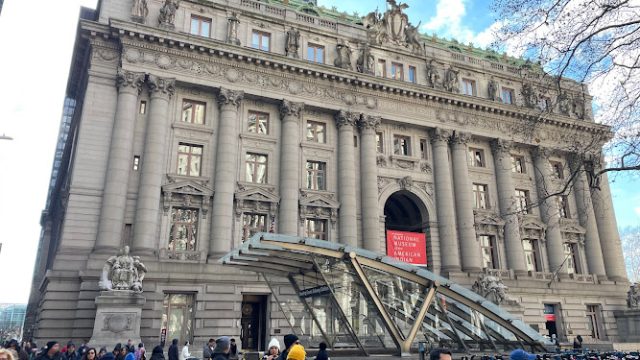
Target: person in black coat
322, 354
174, 352
157, 353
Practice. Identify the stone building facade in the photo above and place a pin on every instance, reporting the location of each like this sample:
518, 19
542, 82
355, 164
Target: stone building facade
197, 123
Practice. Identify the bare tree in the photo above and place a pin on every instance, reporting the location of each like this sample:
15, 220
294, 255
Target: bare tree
596, 42
630, 237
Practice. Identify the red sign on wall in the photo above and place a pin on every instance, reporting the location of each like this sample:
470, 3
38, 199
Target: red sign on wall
407, 246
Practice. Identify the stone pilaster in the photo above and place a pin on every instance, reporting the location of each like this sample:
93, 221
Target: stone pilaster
445, 206
608, 231
469, 246
114, 198
347, 178
549, 211
290, 171
508, 210
369, 183
146, 228
225, 172
586, 215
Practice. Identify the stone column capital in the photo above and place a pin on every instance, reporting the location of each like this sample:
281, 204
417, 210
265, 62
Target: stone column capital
541, 152
129, 81
439, 135
368, 122
161, 87
501, 146
460, 138
228, 97
291, 110
347, 118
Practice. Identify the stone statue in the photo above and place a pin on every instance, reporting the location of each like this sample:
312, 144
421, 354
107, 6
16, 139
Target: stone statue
413, 38
123, 272
139, 11
343, 60
393, 26
232, 29
451, 80
292, 43
493, 89
366, 62
633, 296
564, 104
432, 74
491, 287
578, 107
529, 95
167, 17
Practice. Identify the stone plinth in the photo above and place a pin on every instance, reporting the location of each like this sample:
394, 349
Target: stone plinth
118, 316
628, 325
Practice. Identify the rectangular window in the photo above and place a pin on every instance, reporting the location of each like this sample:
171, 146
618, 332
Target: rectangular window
531, 254
200, 26
252, 224
379, 143
177, 317
256, 168
193, 111
593, 321
476, 158
424, 149
558, 169
469, 87
563, 206
316, 229
508, 96
382, 68
397, 71
412, 74
184, 229
261, 40
315, 53
136, 162
480, 196
189, 159
316, 132
522, 201
143, 107
355, 141
316, 175
258, 123
489, 254
402, 145
518, 164
570, 256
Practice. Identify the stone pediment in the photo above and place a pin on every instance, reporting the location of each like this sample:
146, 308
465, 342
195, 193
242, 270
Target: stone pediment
572, 227
532, 223
318, 200
187, 187
256, 194
488, 218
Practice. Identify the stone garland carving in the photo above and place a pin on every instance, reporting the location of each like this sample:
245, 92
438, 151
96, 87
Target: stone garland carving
130, 80
491, 288
232, 29
529, 95
123, 272
451, 81
343, 58
366, 62
161, 86
492, 89
290, 110
139, 11
292, 43
347, 118
167, 17
633, 297
228, 97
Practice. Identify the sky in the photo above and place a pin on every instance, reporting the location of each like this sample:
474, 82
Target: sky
34, 64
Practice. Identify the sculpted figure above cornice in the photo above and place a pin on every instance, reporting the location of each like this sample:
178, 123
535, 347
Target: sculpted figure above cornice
347, 118
393, 27
290, 110
159, 86
228, 97
131, 81
167, 17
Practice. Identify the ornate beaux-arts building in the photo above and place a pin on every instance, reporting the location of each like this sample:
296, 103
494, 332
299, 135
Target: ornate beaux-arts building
191, 125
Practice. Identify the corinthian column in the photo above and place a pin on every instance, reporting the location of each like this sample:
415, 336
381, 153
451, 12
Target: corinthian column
289, 167
225, 172
114, 198
548, 208
449, 247
369, 183
506, 199
608, 231
145, 238
469, 246
347, 177
586, 215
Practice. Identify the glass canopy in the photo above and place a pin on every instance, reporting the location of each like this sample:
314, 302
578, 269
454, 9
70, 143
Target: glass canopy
357, 300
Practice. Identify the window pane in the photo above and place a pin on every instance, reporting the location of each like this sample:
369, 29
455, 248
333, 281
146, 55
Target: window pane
183, 234
265, 42
205, 28
255, 40
320, 55
195, 24
183, 161
199, 114
252, 123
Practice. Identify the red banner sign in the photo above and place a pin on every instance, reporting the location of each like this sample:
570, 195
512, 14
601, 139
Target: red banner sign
407, 246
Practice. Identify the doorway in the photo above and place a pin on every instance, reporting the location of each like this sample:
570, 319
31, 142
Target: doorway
254, 322
553, 321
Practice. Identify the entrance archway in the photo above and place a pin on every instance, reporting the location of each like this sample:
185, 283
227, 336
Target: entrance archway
404, 211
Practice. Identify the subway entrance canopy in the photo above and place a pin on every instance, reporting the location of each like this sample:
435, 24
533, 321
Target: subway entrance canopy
354, 299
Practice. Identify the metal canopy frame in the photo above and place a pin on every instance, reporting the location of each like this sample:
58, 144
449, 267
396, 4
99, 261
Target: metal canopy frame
289, 257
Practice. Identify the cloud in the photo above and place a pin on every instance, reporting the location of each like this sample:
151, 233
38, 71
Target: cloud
448, 22
637, 210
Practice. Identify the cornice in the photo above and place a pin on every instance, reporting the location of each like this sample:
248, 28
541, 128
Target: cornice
195, 46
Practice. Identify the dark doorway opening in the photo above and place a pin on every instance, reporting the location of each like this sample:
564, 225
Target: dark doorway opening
404, 211
253, 322
553, 322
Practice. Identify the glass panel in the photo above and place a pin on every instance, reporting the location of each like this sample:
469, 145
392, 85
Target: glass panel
199, 114
255, 40
194, 26
184, 225
205, 28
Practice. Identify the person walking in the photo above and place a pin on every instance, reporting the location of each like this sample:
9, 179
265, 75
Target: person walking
22, 354
184, 355
174, 353
6, 354
51, 351
273, 351
577, 344
157, 353
322, 354
233, 349
289, 341
128, 354
207, 349
90, 354
71, 353
222, 349
141, 353
297, 353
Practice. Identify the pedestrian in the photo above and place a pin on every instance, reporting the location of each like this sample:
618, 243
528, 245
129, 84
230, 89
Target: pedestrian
157, 353
233, 349
71, 353
108, 355
222, 349
273, 350
207, 349
130, 347
140, 354
103, 350
520, 354
22, 354
117, 352
174, 353
184, 355
440, 354
50, 352
296, 353
577, 343
128, 354
322, 354
289, 341
5, 354
82, 350
90, 354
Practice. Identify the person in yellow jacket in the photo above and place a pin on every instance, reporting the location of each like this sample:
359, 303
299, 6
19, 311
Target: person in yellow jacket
297, 353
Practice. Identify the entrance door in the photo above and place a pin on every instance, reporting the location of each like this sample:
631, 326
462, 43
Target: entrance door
553, 321
253, 322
